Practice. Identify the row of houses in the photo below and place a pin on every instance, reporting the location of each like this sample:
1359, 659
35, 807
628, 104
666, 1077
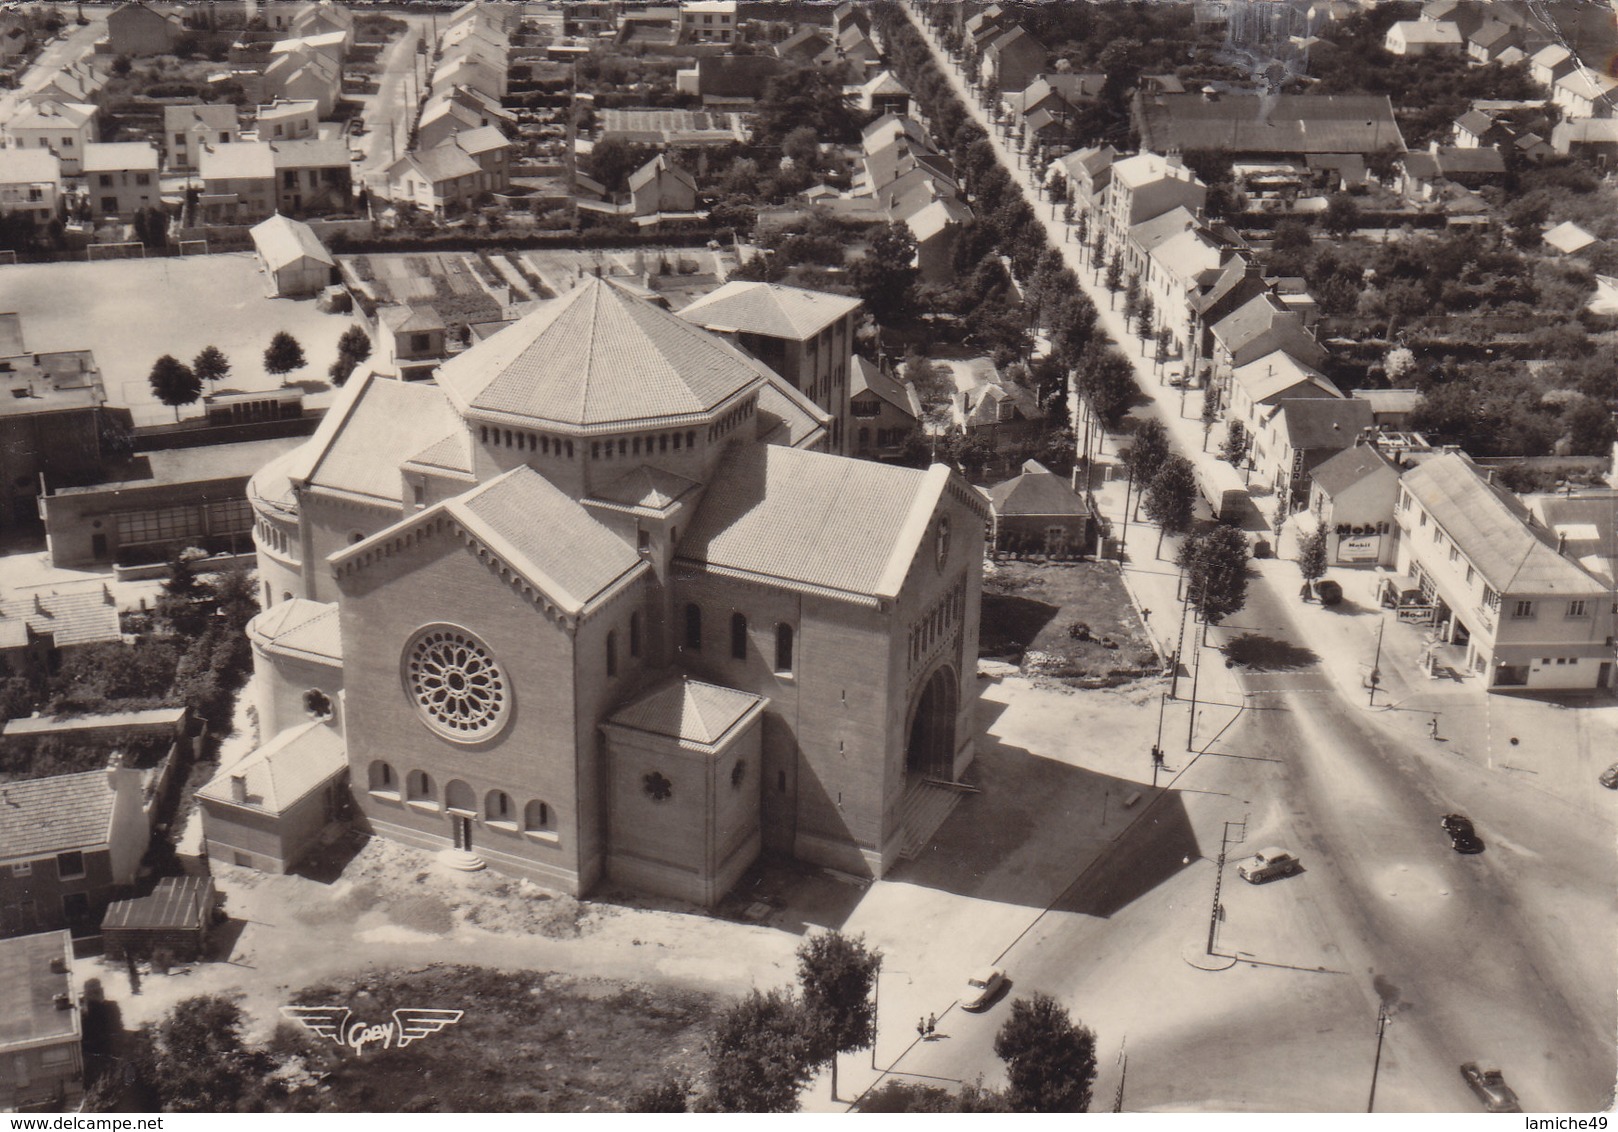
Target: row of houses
461, 150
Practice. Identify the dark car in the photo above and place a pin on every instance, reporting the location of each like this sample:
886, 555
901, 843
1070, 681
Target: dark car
1491, 1088
1462, 837
1609, 777
1329, 592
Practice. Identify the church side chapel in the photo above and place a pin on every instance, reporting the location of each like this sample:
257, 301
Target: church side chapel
595, 606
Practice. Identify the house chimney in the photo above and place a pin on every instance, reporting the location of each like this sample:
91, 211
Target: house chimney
238, 788
58, 965
39, 604
62, 1002
1561, 542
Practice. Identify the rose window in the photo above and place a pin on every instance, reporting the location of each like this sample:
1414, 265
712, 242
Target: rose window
458, 688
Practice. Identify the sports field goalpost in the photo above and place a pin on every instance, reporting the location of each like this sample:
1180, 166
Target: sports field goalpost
125, 250
193, 247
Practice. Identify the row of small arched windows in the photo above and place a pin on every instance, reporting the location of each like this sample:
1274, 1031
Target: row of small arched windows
498, 808
631, 445
526, 441
784, 637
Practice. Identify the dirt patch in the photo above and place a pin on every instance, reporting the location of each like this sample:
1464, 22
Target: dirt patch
420, 896
526, 1043
1068, 621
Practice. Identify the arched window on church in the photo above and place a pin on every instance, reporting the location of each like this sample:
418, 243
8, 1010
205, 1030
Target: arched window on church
634, 635
419, 788
693, 627
612, 653
783, 649
536, 818
382, 780
497, 809
738, 636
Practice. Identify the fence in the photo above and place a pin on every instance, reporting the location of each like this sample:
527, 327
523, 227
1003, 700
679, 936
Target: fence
125, 250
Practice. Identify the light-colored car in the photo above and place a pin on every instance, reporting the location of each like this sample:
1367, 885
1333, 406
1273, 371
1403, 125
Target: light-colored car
1491, 1088
1268, 864
981, 987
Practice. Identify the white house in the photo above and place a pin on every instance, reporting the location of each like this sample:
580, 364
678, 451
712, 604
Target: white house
293, 257
30, 183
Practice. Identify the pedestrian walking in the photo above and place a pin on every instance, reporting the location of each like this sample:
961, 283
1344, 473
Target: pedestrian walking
921, 1028
1432, 728
932, 1024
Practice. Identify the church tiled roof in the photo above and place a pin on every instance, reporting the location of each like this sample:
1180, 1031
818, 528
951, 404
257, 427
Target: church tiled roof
833, 525
645, 486
689, 710
302, 628
597, 358
536, 529
375, 426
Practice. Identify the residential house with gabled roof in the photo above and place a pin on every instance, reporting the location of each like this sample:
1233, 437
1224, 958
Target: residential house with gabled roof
137, 30
1179, 266
585, 616
884, 412
806, 45
1014, 59
1258, 328
1088, 172
1475, 129
301, 75
69, 844
1351, 497
707, 21
38, 627
1144, 187
1550, 63
1507, 607
1424, 173
883, 93
1583, 93
78, 82
62, 128
661, 186
121, 177
1001, 413
449, 112
1038, 512
1595, 139
14, 36
287, 120
1424, 37
187, 128
30, 184
442, 180
238, 182
330, 46
1299, 435
1262, 384
1491, 39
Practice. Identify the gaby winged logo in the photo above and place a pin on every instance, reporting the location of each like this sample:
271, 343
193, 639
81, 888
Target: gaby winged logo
338, 1024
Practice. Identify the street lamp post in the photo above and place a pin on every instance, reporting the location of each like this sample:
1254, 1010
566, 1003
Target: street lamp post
1376, 1065
1376, 662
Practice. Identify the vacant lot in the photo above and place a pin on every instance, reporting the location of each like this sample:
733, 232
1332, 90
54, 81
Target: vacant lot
527, 1043
1071, 621
131, 312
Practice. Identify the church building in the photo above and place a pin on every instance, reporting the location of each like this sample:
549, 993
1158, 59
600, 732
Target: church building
595, 606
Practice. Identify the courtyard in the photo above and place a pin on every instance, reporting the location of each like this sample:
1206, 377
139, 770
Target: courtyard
132, 312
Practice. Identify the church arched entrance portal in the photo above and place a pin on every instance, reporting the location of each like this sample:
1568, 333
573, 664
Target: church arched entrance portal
930, 748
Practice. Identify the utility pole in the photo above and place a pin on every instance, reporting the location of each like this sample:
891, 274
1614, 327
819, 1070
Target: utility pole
1376, 1066
1196, 671
1376, 662
1157, 747
1123, 539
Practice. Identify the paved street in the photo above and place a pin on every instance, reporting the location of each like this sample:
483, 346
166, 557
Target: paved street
390, 112
1505, 957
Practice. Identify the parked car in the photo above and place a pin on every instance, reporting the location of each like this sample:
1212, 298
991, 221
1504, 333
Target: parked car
1268, 864
1609, 777
981, 987
1329, 592
1462, 837
1491, 1088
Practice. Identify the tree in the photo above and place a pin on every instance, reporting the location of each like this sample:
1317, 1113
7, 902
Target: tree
1107, 380
1342, 215
1115, 271
1210, 413
1215, 565
670, 1094
199, 1060
210, 365
802, 145
1237, 442
760, 1055
1081, 226
837, 975
886, 277
1312, 556
1131, 297
1146, 317
1171, 498
352, 348
283, 355
174, 383
612, 160
1147, 454
1051, 1062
